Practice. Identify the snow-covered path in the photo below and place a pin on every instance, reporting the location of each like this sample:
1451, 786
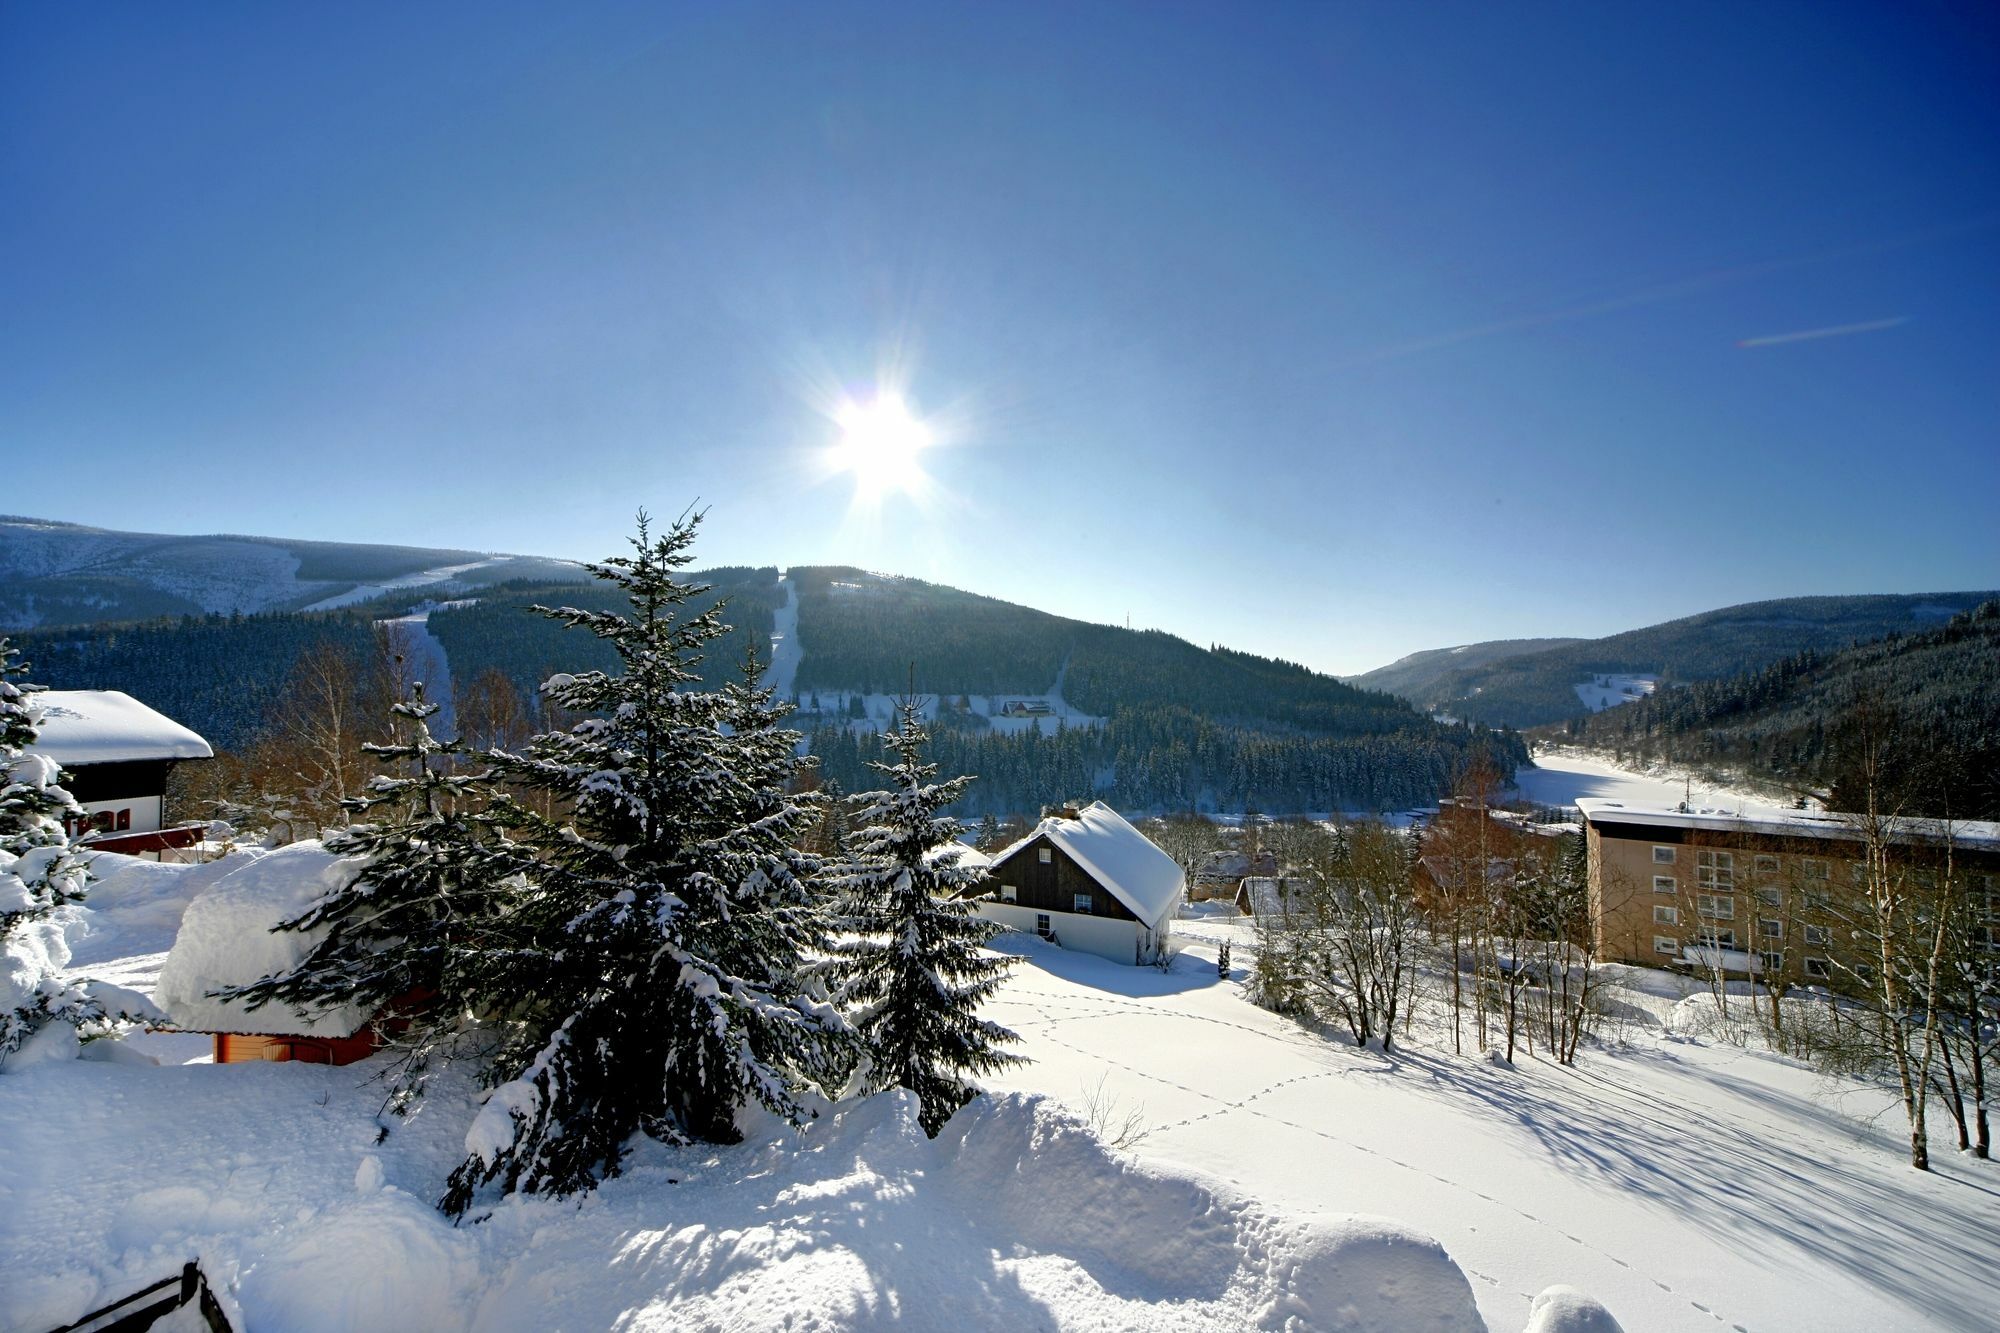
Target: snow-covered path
425, 654
422, 578
786, 651
1686, 1186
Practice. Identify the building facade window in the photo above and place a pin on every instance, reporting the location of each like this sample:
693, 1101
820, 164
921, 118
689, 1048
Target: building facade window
1771, 897
1666, 944
1818, 968
1771, 928
1666, 916
1080, 903
1766, 867
1665, 884
1009, 894
1712, 938
1818, 935
1663, 856
1715, 906
1047, 856
1042, 924
1773, 962
1714, 870
1815, 869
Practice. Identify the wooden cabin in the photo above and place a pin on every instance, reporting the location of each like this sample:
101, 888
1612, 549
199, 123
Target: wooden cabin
116, 753
1086, 879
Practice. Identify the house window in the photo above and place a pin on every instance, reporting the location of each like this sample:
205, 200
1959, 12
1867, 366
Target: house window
1009, 894
1664, 884
1080, 904
1047, 856
1666, 944
1711, 938
1042, 925
1714, 870
1666, 916
1663, 856
1766, 867
124, 819
1771, 928
1818, 968
1818, 935
1713, 905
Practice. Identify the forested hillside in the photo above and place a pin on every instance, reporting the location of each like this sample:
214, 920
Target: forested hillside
55, 574
221, 675
1183, 725
1932, 698
864, 631
1416, 676
1540, 687
500, 632
1151, 757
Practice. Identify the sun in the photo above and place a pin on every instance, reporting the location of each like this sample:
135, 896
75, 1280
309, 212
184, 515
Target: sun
879, 443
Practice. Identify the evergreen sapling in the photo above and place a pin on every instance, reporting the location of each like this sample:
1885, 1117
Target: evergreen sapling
426, 905
913, 967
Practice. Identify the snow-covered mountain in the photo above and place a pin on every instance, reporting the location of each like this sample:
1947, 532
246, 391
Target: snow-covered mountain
55, 573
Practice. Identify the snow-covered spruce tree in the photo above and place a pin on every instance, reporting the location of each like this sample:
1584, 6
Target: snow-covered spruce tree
40, 871
911, 966
425, 907
656, 974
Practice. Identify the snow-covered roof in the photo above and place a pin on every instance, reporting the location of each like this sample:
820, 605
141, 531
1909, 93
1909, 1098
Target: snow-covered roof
969, 857
1118, 856
82, 727
1271, 895
226, 939
1790, 823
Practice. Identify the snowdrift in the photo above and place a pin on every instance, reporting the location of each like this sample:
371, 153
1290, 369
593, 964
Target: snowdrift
226, 938
1016, 1216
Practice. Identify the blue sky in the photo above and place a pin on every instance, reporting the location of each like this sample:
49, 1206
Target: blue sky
1330, 332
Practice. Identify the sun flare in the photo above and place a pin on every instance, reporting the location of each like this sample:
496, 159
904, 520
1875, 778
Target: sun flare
879, 443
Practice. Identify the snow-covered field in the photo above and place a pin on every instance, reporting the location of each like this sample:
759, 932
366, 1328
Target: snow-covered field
1687, 1184
1560, 777
1602, 692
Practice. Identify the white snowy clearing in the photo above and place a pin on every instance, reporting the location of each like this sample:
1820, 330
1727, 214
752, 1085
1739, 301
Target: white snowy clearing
423, 578
1685, 1183
1560, 777
1602, 692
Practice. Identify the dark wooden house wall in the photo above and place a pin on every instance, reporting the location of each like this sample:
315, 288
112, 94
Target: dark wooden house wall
1052, 887
118, 781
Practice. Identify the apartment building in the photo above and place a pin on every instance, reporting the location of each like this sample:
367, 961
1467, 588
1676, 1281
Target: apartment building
1773, 896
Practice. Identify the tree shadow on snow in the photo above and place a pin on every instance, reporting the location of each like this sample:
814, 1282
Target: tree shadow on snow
1101, 974
1799, 1195
873, 1226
